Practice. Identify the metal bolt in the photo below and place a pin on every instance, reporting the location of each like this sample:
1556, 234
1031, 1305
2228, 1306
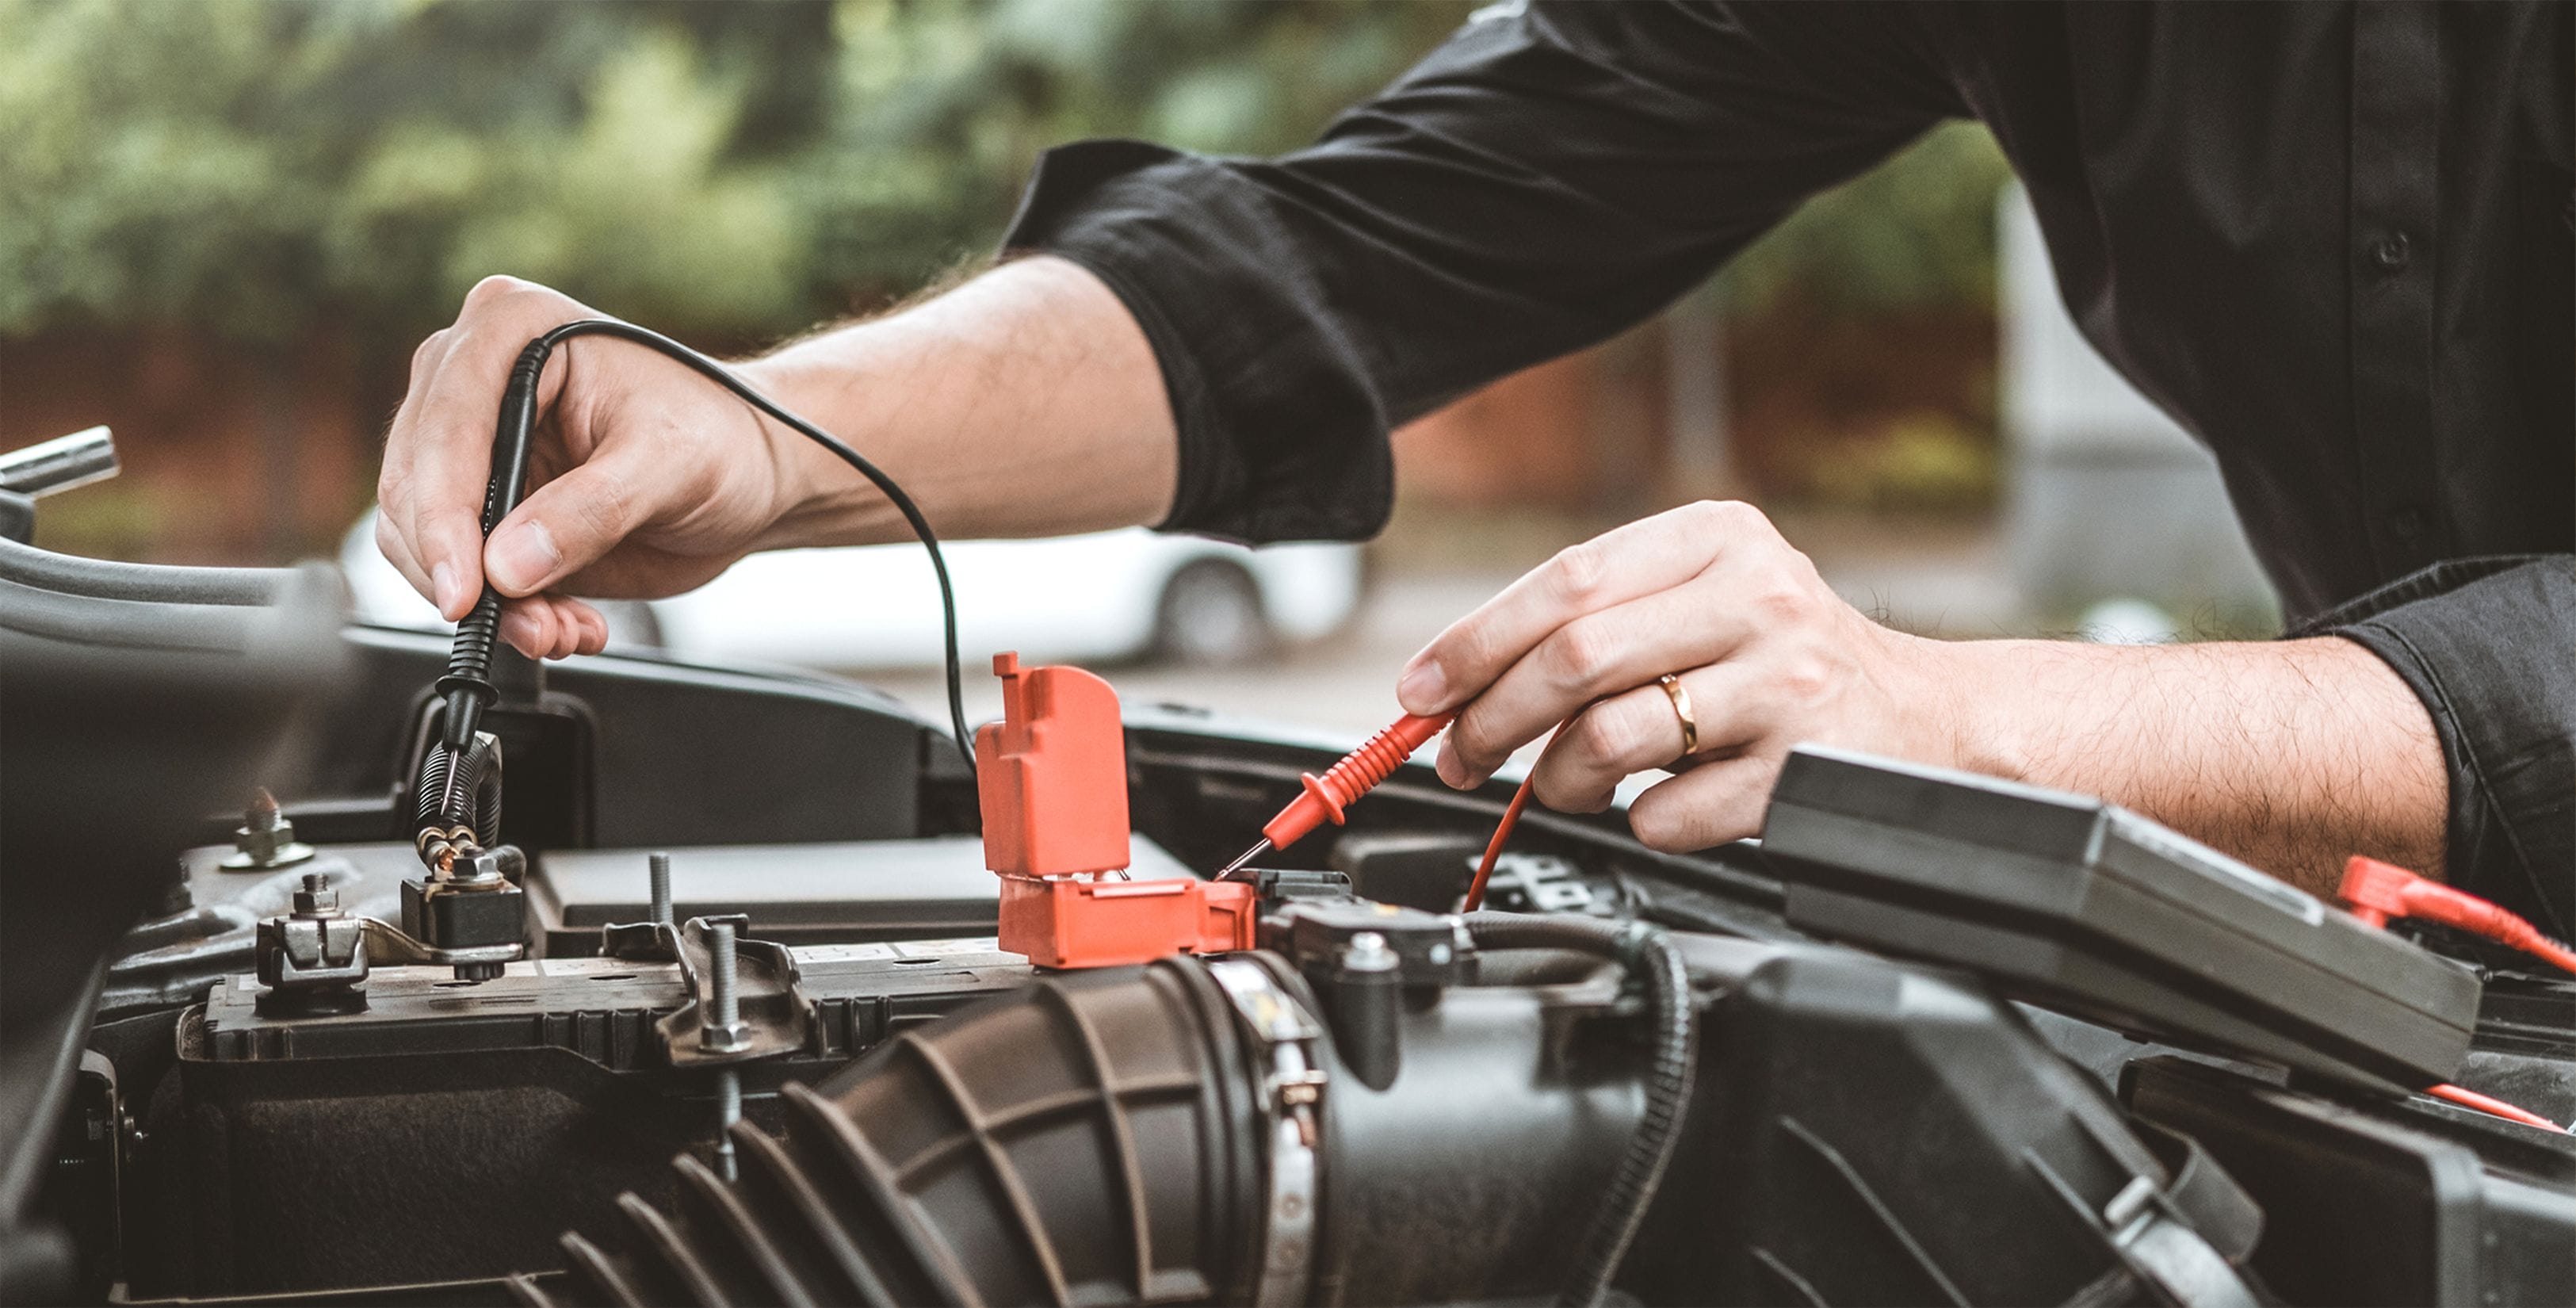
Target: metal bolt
720, 948
265, 838
488, 869
1368, 953
723, 1030
659, 864
317, 898
728, 1112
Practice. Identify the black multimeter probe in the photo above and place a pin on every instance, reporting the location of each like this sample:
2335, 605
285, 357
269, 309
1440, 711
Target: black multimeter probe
459, 790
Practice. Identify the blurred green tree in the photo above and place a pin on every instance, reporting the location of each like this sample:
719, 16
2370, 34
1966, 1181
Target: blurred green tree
1916, 233
249, 166
256, 167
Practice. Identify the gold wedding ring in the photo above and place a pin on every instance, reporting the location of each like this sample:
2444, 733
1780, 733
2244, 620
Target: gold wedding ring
1681, 709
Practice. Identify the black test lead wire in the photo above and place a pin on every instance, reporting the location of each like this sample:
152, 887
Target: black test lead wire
447, 794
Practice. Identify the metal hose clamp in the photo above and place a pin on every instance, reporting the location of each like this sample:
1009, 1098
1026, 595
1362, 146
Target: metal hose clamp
1292, 1096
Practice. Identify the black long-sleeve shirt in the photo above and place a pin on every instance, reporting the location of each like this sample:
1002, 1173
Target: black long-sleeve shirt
2332, 240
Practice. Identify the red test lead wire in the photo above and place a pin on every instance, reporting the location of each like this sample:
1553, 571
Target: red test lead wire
2379, 891
1358, 773
2492, 1107
1494, 848
1342, 784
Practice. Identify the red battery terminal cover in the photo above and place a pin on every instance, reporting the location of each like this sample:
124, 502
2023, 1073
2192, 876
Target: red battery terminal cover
1051, 777
1068, 923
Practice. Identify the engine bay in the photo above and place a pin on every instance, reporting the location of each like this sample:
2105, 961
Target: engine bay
747, 1031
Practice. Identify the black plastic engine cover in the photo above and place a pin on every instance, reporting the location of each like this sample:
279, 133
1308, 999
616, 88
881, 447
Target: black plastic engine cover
452, 1130
2381, 1204
1876, 1133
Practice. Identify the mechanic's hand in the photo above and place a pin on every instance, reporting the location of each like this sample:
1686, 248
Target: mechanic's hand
644, 481
1709, 592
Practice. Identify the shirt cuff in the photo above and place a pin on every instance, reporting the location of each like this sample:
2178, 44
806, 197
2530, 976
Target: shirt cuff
1281, 438
2485, 643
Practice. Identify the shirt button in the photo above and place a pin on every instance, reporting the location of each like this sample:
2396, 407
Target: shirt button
2390, 252
2408, 523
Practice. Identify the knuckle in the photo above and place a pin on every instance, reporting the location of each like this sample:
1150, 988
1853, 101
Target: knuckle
1474, 740
603, 503
1596, 741
1738, 517
492, 290
1581, 654
1463, 651
1559, 792
1802, 567
1783, 604
427, 353
1578, 573
1650, 721
1803, 680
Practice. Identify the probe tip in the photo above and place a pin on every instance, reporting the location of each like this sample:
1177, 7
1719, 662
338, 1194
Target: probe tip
1259, 848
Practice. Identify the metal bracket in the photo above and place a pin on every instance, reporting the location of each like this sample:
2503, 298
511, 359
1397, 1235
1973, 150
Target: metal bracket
394, 946
1292, 1095
640, 942
778, 1016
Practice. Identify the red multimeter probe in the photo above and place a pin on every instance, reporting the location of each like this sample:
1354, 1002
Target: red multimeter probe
1343, 783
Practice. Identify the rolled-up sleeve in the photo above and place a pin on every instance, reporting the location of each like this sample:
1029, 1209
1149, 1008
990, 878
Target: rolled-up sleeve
1550, 175
2490, 647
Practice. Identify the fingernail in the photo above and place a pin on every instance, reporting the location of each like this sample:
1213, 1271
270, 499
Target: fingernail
1452, 772
444, 590
516, 629
1422, 686
521, 557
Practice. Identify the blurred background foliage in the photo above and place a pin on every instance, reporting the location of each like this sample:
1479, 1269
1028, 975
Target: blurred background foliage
1915, 235
252, 168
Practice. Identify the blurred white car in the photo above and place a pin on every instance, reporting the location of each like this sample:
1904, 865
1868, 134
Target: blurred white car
1105, 596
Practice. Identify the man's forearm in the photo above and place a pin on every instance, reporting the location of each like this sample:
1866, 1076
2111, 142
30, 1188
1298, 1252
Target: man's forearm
2291, 755
1025, 402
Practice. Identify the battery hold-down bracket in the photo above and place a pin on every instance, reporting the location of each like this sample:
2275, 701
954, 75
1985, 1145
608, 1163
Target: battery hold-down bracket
1051, 777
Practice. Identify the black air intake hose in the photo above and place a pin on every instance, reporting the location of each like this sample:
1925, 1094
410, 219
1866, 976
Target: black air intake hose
1652, 961
1102, 1137
1091, 1139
